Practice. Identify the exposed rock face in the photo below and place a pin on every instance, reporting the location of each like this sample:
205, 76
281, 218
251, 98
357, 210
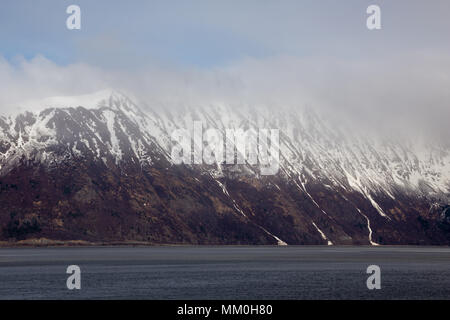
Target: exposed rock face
105, 173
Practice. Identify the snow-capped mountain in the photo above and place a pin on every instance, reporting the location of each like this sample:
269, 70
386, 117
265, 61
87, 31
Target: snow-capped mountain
99, 168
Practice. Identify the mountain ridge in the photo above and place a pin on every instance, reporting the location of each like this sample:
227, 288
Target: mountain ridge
106, 173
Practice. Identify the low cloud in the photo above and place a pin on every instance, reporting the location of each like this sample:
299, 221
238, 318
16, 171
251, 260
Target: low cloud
400, 90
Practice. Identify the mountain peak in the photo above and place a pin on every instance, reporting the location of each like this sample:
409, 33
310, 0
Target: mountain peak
92, 100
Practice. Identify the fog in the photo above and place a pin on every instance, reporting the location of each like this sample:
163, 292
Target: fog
398, 90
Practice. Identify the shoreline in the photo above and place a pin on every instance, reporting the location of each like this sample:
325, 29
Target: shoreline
44, 242
49, 243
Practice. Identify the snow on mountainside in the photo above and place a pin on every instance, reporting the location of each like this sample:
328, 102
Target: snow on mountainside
319, 162
107, 123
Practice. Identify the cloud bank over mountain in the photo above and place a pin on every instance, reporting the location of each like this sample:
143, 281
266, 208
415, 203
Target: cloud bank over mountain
392, 91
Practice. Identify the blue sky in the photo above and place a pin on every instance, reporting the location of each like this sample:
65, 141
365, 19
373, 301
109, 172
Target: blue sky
126, 34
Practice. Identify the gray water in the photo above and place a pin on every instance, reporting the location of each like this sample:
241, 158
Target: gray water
294, 272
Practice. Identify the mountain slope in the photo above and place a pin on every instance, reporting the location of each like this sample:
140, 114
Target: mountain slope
99, 168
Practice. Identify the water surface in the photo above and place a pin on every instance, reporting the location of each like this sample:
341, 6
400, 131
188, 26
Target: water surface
191, 272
